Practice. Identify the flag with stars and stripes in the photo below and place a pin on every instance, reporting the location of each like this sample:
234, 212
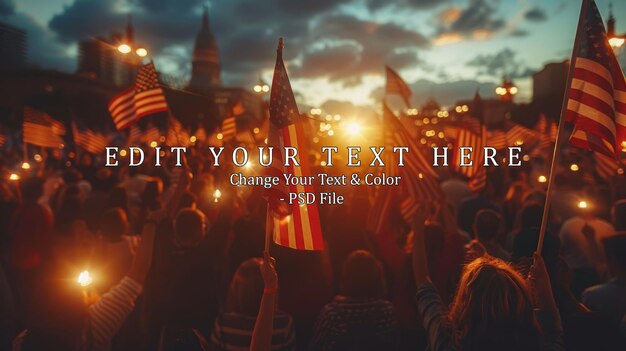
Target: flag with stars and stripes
229, 128
397, 85
88, 140
144, 98
419, 180
597, 93
42, 130
295, 226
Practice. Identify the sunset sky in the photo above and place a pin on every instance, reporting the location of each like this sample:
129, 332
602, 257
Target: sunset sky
335, 49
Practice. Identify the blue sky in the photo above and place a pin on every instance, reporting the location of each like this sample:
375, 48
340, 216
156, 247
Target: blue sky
335, 49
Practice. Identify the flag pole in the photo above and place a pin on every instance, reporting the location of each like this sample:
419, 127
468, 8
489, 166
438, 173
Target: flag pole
560, 128
269, 220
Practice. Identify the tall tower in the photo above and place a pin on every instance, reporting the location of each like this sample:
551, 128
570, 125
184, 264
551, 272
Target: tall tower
205, 65
610, 23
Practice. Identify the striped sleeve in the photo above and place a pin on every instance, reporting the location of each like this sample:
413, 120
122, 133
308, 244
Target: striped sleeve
108, 314
433, 312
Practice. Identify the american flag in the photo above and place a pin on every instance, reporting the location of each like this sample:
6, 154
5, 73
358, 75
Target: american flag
381, 210
144, 98
547, 138
229, 128
606, 167
597, 95
177, 135
134, 134
151, 134
42, 130
419, 180
476, 173
396, 85
89, 140
300, 229
496, 139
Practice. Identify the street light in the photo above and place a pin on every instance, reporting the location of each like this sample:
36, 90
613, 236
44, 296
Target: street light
261, 87
124, 48
506, 90
141, 52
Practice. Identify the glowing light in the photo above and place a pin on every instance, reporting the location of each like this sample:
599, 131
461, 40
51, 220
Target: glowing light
411, 112
616, 42
620, 171
542, 179
265, 88
162, 138
217, 195
331, 132
37, 157
257, 88
84, 279
513, 90
316, 140
464, 108
71, 154
519, 142
337, 117
220, 136
124, 48
328, 117
256, 130
153, 144
122, 153
426, 120
323, 163
353, 128
501, 91
574, 167
25, 165
141, 52
525, 157
192, 139
14, 176
441, 135
583, 204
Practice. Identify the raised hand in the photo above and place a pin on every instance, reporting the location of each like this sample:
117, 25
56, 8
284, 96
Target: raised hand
268, 271
540, 284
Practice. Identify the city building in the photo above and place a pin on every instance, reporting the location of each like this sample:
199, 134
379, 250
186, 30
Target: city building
12, 48
104, 59
549, 88
205, 64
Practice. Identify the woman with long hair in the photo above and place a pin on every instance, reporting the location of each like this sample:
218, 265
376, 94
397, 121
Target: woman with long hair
494, 307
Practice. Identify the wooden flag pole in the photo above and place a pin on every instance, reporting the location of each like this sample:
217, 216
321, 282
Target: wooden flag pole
560, 128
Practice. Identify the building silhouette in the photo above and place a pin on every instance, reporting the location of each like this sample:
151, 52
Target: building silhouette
99, 58
205, 64
12, 47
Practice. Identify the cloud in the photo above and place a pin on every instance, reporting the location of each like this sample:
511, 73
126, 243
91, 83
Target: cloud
358, 47
7, 7
418, 4
477, 21
446, 93
504, 62
536, 15
42, 47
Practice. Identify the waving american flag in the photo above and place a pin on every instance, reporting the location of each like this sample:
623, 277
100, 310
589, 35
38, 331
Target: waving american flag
144, 98
597, 95
300, 229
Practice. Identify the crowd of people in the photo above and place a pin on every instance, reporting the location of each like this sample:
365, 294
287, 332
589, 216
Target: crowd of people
169, 262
